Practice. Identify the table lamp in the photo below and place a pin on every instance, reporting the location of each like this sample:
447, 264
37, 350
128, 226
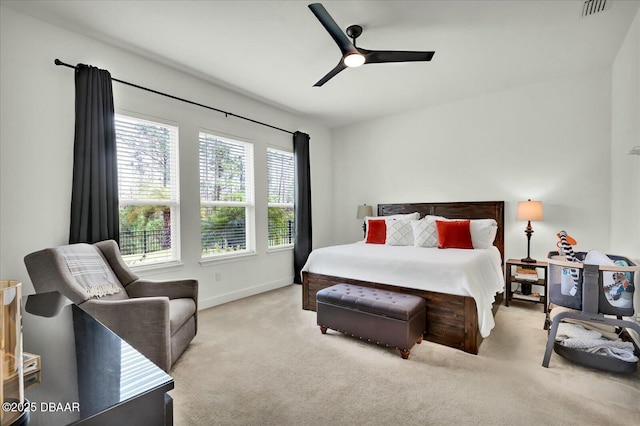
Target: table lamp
529, 210
364, 211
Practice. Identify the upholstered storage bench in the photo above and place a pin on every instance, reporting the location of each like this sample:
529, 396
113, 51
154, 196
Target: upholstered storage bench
387, 318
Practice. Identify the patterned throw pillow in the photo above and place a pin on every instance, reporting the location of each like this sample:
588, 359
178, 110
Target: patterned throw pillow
408, 216
399, 233
425, 233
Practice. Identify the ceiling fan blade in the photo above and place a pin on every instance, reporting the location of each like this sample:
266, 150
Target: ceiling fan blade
331, 74
332, 28
381, 56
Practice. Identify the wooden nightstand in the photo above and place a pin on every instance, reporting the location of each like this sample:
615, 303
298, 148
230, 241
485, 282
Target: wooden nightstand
540, 285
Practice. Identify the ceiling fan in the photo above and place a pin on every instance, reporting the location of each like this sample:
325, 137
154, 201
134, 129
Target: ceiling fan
353, 56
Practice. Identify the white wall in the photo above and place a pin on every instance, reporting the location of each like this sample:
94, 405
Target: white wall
36, 136
548, 141
551, 141
625, 169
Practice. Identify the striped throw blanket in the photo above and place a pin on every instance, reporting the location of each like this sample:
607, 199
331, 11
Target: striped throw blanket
90, 272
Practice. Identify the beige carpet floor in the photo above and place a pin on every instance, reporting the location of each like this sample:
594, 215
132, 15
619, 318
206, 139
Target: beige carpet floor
263, 361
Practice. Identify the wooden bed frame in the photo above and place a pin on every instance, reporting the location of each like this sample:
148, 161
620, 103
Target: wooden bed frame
452, 320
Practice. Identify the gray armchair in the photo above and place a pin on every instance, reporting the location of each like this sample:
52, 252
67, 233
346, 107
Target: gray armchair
158, 318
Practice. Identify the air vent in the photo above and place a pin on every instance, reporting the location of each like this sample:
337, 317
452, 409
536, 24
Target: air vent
591, 7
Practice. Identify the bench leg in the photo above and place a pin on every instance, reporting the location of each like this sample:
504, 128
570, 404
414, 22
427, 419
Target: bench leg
405, 353
323, 329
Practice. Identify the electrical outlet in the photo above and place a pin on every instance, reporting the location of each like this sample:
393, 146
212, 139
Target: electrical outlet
218, 276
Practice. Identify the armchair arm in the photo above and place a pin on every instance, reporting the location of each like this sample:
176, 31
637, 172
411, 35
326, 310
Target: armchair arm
173, 289
111, 253
142, 322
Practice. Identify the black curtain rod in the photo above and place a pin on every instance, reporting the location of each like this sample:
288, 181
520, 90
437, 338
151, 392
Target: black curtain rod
226, 113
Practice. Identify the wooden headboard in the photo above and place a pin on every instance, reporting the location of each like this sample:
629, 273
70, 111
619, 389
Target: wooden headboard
457, 210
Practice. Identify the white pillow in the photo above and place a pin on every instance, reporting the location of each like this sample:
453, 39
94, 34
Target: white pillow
408, 216
425, 233
483, 231
399, 232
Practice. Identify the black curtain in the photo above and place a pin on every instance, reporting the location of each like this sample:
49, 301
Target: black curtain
94, 196
301, 203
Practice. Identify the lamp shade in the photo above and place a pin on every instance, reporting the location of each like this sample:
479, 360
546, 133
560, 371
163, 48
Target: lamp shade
364, 210
529, 210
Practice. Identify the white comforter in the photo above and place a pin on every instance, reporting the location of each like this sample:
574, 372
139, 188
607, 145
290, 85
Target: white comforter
476, 273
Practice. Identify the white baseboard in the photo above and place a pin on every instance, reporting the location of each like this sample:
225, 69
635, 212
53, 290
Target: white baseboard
245, 292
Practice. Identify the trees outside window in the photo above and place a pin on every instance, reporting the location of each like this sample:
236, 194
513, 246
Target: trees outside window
280, 197
149, 199
226, 196
148, 190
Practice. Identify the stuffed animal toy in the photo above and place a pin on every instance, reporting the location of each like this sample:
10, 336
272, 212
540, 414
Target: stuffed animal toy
566, 247
620, 285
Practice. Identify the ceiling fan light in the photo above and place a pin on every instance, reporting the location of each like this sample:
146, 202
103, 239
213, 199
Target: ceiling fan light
354, 60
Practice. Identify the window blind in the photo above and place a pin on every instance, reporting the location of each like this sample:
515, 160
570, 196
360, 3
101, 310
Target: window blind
280, 176
148, 190
225, 170
226, 195
147, 160
280, 182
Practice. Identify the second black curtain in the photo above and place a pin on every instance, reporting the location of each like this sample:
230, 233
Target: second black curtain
301, 203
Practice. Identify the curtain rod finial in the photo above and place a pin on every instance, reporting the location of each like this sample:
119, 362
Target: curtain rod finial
57, 61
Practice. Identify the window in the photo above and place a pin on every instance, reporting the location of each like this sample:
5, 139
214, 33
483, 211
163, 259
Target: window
280, 197
148, 190
226, 196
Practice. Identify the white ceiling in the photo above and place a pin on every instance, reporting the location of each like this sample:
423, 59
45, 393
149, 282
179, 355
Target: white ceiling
277, 50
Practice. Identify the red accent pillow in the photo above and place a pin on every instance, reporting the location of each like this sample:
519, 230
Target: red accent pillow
376, 231
454, 234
